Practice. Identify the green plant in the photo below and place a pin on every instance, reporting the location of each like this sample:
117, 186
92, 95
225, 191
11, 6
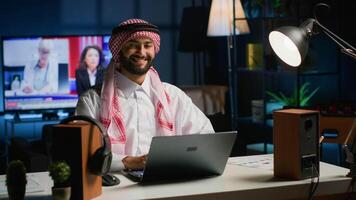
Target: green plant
60, 173
277, 4
16, 173
304, 96
16, 180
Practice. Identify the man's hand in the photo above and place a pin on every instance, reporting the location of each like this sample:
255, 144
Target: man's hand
135, 163
27, 89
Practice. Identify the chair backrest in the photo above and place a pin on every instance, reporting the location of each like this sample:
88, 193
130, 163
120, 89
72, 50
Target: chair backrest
210, 99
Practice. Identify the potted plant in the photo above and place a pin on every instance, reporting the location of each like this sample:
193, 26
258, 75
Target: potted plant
304, 96
60, 173
16, 180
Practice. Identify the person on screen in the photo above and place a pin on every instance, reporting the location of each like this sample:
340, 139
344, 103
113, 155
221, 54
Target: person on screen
133, 104
16, 83
41, 75
90, 71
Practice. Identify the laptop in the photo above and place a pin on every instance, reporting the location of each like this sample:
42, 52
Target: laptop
185, 157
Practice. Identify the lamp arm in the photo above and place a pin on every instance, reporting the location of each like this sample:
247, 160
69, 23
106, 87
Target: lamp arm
343, 49
348, 50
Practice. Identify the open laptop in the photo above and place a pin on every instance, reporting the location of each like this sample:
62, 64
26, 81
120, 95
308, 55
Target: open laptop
185, 157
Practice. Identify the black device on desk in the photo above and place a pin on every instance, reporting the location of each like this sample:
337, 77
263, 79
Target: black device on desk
100, 162
185, 157
110, 180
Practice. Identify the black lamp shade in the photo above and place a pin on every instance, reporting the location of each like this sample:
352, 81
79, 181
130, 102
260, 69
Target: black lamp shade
290, 44
192, 36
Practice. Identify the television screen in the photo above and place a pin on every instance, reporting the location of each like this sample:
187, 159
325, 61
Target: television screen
39, 72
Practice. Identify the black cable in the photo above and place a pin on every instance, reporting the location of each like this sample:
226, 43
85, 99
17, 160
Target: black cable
313, 185
311, 189
317, 6
350, 189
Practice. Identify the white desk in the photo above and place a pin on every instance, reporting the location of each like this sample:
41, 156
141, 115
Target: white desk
237, 182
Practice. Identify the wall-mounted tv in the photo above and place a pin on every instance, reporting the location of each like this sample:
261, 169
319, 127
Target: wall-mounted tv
39, 72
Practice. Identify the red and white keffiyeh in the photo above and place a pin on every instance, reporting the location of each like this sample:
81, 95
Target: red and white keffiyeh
111, 114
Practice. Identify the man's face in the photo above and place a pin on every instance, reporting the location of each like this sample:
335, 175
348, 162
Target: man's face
137, 55
43, 54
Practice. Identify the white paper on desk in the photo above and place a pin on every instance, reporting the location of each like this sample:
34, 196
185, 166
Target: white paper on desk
32, 185
260, 162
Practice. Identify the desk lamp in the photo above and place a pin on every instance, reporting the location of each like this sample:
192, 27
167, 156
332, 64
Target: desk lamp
290, 44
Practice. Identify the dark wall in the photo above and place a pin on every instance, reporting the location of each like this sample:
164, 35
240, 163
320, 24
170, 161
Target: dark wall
347, 31
91, 17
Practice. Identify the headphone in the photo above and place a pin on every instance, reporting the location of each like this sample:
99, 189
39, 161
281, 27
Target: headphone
99, 163
135, 27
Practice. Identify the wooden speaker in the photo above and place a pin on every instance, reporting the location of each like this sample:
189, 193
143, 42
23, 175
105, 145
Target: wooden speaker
296, 143
75, 143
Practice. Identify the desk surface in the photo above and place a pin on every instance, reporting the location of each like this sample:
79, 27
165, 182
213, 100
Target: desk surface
242, 179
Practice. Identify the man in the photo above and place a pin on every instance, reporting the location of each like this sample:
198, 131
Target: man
41, 75
134, 105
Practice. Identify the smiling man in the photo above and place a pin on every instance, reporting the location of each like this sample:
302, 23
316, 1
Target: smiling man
133, 104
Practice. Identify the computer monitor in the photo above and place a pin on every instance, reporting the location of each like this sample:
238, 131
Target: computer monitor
39, 72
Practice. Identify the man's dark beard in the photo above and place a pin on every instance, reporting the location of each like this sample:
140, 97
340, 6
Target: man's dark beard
130, 67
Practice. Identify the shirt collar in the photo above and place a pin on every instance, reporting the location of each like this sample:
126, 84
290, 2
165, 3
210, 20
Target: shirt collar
37, 66
91, 73
127, 86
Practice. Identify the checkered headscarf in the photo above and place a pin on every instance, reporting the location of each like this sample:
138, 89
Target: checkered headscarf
118, 40
110, 104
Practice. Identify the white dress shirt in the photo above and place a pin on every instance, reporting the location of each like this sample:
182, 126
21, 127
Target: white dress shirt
46, 80
92, 76
140, 115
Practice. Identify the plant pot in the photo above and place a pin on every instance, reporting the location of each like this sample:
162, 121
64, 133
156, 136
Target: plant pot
61, 193
16, 192
257, 110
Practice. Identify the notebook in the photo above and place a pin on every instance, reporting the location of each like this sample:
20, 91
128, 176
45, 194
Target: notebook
185, 157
